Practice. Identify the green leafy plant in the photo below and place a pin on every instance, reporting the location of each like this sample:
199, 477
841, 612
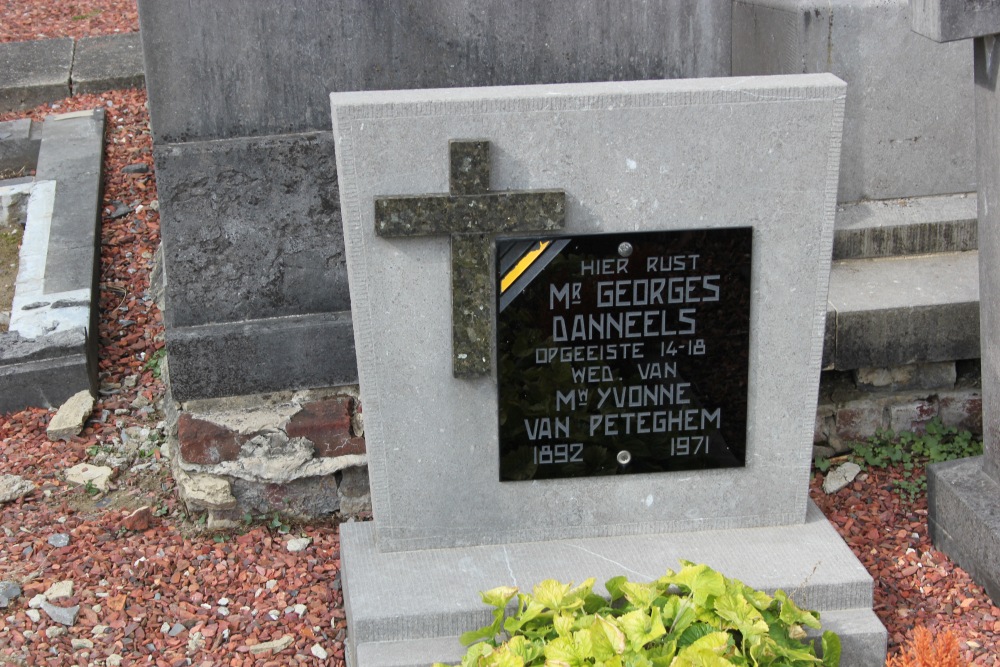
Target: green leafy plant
911, 451
155, 362
90, 488
278, 523
691, 618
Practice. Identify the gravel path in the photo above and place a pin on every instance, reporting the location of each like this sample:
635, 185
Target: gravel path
26, 20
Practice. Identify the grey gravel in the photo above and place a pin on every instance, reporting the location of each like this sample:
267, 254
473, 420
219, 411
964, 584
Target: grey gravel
59, 540
9, 590
63, 615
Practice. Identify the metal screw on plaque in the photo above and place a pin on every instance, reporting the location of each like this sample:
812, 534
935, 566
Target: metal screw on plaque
624, 249
624, 457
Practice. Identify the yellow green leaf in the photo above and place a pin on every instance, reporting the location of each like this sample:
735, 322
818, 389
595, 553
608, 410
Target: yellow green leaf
791, 614
550, 593
608, 640
499, 596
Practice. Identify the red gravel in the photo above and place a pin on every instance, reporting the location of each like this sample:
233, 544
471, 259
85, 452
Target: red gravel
915, 584
25, 20
129, 584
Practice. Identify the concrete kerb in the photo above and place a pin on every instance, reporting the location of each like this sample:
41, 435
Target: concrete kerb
49, 353
33, 73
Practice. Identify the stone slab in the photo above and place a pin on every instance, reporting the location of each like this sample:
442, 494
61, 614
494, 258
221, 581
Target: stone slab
862, 636
44, 382
32, 73
898, 311
422, 595
987, 59
253, 229
110, 62
912, 226
609, 146
50, 352
949, 20
19, 140
35, 311
963, 519
72, 154
217, 68
235, 358
906, 124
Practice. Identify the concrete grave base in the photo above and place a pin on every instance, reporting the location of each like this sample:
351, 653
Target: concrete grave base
50, 352
963, 519
408, 608
301, 454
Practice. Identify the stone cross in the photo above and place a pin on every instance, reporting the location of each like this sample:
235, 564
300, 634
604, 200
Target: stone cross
472, 215
964, 495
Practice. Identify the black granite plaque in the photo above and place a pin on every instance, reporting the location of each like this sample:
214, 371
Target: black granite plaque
623, 353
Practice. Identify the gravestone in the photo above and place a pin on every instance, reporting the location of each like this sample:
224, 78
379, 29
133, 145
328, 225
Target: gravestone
252, 247
963, 496
648, 331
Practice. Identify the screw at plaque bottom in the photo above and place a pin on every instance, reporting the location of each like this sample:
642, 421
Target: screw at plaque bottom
624, 457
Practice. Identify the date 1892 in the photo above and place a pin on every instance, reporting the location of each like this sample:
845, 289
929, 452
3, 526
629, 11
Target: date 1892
561, 453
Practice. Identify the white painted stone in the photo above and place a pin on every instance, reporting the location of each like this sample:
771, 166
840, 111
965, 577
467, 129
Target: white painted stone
298, 544
81, 473
204, 492
71, 416
275, 645
839, 477
60, 589
13, 487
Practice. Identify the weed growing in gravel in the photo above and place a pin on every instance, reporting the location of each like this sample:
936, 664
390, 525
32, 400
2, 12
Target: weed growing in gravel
914, 451
155, 362
926, 650
692, 617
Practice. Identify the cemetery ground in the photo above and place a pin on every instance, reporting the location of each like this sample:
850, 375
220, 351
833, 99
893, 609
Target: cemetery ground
152, 586
156, 588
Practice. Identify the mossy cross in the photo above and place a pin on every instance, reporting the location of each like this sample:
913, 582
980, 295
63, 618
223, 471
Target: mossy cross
472, 215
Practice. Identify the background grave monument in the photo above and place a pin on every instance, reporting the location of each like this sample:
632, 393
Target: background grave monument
708, 156
964, 495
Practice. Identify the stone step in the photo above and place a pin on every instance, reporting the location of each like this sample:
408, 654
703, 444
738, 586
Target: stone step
32, 73
432, 594
894, 311
913, 226
19, 141
861, 634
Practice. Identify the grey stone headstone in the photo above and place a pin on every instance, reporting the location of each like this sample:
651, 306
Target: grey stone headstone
949, 20
963, 495
227, 68
683, 154
666, 155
